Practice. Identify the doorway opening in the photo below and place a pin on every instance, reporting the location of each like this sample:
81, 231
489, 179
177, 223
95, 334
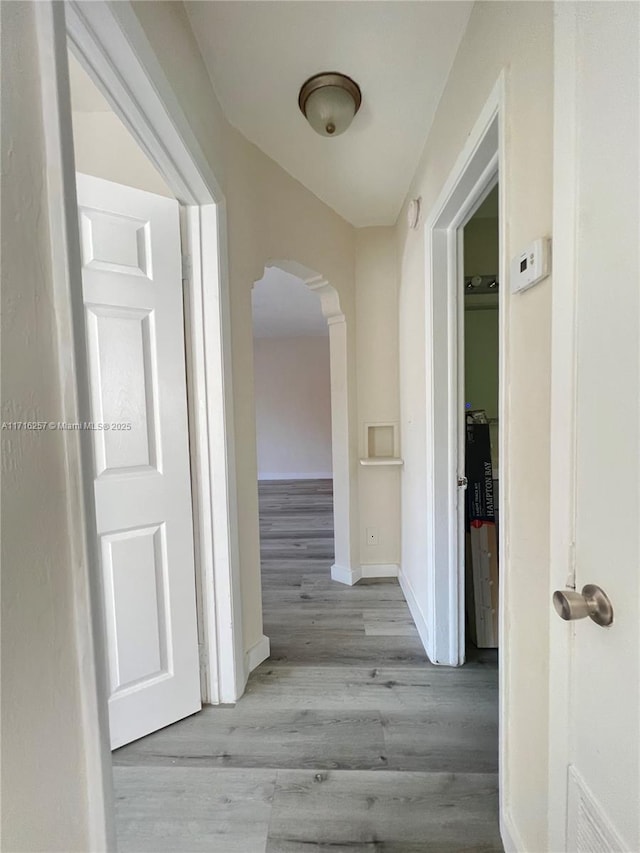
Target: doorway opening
131, 256
110, 62
292, 380
479, 390
292, 390
318, 292
453, 320
111, 57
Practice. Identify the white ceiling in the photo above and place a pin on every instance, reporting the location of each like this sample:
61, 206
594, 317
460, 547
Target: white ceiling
259, 53
284, 307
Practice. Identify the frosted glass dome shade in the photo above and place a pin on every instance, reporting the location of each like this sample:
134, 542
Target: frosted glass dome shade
329, 102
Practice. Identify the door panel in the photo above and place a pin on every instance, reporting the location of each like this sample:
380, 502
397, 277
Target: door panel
595, 760
115, 243
121, 350
135, 578
132, 291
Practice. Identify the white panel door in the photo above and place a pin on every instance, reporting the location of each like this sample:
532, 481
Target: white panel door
132, 289
594, 802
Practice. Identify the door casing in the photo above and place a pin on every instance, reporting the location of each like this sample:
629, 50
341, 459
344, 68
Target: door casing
109, 42
117, 65
474, 175
479, 166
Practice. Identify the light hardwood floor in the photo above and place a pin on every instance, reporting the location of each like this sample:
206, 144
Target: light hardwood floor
347, 738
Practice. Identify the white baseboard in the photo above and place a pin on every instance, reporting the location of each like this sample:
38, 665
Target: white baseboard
312, 475
380, 570
416, 612
342, 574
374, 570
258, 652
511, 840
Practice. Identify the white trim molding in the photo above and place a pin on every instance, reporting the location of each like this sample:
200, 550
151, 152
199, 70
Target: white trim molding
215, 524
511, 840
344, 575
371, 570
473, 175
379, 570
111, 45
256, 654
416, 611
564, 384
482, 160
314, 475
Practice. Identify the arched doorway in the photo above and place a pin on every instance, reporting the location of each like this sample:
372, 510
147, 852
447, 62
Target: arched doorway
340, 463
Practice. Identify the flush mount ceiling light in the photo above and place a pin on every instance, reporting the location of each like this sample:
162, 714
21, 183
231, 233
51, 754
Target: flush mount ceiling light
329, 101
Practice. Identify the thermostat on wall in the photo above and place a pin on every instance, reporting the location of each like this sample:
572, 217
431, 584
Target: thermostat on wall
532, 265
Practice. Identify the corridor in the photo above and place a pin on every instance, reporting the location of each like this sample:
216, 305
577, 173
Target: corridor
347, 738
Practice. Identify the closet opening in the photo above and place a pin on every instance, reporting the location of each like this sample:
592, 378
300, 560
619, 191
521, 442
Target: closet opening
480, 431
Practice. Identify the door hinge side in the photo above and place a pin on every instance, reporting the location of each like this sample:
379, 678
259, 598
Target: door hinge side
186, 267
571, 575
203, 660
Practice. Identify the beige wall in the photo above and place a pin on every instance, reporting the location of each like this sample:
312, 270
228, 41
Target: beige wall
378, 387
269, 216
166, 26
44, 765
516, 37
293, 407
272, 216
104, 148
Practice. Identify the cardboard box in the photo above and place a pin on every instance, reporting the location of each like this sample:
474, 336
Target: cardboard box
479, 471
484, 563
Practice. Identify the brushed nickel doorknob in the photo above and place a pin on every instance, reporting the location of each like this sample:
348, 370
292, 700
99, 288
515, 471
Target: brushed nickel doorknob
592, 602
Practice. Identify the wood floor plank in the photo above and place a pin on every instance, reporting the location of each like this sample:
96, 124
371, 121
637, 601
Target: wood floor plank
382, 627
458, 739
188, 810
355, 648
264, 737
399, 688
347, 738
385, 810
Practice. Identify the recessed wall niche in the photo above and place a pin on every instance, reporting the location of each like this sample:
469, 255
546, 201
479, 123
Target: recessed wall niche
381, 444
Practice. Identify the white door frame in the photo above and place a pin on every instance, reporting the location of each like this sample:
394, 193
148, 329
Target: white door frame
474, 174
472, 177
562, 504
109, 42
342, 569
